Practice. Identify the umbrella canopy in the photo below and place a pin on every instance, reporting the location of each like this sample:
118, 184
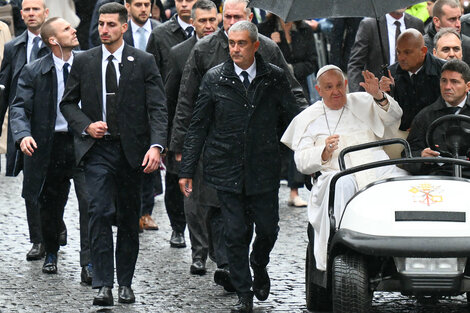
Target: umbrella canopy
295, 10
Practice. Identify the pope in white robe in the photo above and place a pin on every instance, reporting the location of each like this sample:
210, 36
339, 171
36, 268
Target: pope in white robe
321, 131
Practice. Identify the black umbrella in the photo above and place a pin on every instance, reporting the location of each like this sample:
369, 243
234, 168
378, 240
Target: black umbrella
295, 10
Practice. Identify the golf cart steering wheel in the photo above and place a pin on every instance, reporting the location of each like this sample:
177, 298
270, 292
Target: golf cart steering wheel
450, 135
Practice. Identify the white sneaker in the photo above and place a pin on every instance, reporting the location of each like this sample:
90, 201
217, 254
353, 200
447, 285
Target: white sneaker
297, 202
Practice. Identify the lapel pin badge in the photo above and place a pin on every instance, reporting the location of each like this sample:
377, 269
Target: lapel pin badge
130, 58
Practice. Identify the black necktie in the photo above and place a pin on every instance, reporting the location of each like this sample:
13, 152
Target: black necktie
397, 33
246, 81
451, 110
34, 50
65, 72
111, 91
189, 31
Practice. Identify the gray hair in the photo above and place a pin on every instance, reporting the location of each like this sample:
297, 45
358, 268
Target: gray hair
205, 5
443, 32
245, 25
247, 9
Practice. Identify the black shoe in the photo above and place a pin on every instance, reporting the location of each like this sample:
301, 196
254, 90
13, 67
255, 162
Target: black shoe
261, 283
104, 297
126, 295
50, 264
63, 237
222, 278
86, 275
244, 305
177, 240
36, 253
198, 267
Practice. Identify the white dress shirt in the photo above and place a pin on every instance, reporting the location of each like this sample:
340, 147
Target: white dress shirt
392, 28
136, 35
29, 46
60, 122
251, 71
183, 24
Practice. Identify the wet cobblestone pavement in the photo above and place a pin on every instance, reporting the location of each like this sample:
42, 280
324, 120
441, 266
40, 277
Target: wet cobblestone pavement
162, 281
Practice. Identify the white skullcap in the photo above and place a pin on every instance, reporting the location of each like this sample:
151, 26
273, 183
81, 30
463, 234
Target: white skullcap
327, 68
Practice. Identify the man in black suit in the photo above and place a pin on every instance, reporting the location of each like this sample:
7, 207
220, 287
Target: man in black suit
120, 130
43, 136
204, 20
238, 115
137, 35
22, 50
172, 32
366, 53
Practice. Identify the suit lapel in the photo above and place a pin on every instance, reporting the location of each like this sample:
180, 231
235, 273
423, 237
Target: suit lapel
384, 33
126, 68
21, 54
128, 35
96, 65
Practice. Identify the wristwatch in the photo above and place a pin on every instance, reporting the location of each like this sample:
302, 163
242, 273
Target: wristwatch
379, 101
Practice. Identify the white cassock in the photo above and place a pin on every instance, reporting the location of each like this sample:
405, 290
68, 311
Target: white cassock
362, 121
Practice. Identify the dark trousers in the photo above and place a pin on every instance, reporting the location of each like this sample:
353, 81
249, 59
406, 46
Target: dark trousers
174, 203
196, 220
240, 212
55, 192
341, 42
216, 240
34, 221
114, 190
148, 193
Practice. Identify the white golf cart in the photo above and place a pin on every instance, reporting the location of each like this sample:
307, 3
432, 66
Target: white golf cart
408, 234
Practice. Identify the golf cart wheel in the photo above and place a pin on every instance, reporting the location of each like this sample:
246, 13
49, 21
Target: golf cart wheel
317, 297
351, 293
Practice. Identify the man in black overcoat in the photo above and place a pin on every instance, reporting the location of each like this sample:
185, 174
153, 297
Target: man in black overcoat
22, 50
43, 136
240, 107
204, 20
120, 130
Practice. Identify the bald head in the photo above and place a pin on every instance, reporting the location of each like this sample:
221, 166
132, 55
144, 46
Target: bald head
411, 50
412, 37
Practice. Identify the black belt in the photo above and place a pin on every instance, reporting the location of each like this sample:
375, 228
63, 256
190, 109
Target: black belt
63, 134
110, 137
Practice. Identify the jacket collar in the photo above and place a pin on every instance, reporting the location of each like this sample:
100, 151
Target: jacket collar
428, 67
228, 70
173, 23
47, 63
442, 104
220, 33
22, 39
